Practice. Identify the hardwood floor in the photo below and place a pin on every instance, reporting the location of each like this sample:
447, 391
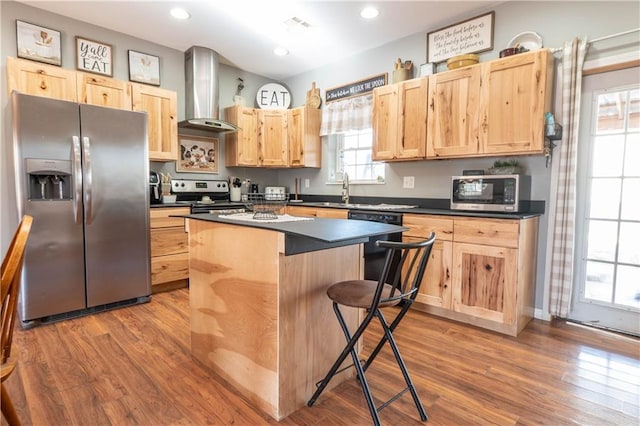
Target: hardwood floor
132, 366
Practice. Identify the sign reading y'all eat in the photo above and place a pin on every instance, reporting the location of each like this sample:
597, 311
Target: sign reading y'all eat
93, 56
273, 96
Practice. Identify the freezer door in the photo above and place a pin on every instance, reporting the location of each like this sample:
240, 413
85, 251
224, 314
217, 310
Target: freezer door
116, 204
53, 273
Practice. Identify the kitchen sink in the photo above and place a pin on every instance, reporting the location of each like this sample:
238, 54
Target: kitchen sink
381, 206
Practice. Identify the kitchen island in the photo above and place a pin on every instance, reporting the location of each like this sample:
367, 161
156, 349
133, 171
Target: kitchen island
260, 316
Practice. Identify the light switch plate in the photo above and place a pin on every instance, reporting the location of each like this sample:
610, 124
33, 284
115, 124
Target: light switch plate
409, 182
306, 183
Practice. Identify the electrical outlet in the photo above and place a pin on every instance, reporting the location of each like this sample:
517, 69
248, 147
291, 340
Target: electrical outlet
408, 182
306, 183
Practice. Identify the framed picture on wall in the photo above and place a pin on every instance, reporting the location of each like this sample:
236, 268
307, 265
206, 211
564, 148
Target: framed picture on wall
94, 56
197, 154
38, 43
144, 68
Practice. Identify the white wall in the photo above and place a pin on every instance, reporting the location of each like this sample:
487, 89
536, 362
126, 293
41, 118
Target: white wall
556, 22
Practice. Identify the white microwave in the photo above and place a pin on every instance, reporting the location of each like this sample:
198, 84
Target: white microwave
496, 193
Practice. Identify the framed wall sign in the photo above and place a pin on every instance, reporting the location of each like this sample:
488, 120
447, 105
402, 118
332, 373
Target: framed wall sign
355, 88
144, 68
94, 56
38, 43
471, 36
197, 154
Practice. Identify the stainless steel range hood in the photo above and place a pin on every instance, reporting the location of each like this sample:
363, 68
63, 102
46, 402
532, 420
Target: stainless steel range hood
201, 68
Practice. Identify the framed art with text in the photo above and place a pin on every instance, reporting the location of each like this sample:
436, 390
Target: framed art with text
94, 56
471, 36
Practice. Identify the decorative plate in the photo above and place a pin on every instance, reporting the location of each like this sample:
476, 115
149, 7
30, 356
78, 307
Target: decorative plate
529, 40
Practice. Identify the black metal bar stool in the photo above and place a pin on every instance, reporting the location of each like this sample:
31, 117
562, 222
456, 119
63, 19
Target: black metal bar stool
397, 285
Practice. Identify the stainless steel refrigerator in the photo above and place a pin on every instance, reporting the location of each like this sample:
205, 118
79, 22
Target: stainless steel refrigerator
82, 173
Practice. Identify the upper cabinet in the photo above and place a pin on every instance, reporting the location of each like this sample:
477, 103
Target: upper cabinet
516, 92
43, 80
453, 124
103, 91
493, 108
54, 82
273, 138
400, 120
161, 107
489, 109
304, 137
242, 146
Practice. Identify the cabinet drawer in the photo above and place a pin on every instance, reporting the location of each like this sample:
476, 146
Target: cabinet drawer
494, 232
169, 268
333, 213
301, 211
160, 217
166, 241
421, 226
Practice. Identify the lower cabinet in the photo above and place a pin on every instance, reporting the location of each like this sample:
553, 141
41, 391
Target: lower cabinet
481, 271
169, 249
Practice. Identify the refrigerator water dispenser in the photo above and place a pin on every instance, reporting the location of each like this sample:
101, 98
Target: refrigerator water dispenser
48, 179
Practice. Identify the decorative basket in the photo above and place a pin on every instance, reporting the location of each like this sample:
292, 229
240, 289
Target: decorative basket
265, 206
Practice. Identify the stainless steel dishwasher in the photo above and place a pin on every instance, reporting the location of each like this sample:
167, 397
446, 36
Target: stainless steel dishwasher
373, 255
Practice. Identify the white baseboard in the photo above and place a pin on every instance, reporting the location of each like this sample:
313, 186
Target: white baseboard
541, 315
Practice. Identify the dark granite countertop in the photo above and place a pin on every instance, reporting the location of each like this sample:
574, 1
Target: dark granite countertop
423, 206
322, 229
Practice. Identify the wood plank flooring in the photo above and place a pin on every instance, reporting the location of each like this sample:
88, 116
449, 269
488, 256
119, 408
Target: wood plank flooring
132, 366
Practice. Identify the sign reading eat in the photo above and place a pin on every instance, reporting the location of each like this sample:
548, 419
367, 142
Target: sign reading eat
273, 96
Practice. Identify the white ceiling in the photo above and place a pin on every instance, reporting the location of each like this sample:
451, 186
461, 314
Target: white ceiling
245, 32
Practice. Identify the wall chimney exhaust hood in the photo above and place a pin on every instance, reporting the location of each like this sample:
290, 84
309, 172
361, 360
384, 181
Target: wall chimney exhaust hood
201, 68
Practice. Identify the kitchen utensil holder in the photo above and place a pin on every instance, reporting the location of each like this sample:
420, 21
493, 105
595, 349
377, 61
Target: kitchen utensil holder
265, 206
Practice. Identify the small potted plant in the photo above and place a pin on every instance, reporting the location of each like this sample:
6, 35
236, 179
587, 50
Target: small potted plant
507, 167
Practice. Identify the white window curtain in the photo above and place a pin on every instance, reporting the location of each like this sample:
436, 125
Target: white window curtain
562, 255
347, 115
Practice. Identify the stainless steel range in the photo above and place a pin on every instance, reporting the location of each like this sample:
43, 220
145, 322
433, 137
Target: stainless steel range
205, 196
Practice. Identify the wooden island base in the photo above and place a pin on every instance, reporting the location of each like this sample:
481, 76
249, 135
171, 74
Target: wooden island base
262, 320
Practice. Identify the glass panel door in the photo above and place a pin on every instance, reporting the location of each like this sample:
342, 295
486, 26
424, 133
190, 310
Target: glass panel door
607, 287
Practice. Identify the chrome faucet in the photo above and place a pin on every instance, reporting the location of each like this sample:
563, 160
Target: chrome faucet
345, 188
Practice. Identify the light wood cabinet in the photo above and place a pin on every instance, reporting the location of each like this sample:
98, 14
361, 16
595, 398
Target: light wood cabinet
169, 249
481, 271
435, 289
38, 79
103, 91
242, 146
400, 120
453, 124
489, 109
304, 137
317, 212
49, 81
273, 148
516, 92
161, 107
273, 138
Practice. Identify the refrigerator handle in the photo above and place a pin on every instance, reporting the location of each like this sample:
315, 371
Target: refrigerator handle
76, 164
86, 179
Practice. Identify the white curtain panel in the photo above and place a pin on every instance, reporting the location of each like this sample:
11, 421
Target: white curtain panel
563, 250
347, 115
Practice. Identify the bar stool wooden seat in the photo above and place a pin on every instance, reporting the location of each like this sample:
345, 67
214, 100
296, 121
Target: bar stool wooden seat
397, 285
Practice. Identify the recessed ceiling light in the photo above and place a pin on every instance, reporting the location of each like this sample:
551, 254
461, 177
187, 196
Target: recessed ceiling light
280, 51
369, 12
180, 13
